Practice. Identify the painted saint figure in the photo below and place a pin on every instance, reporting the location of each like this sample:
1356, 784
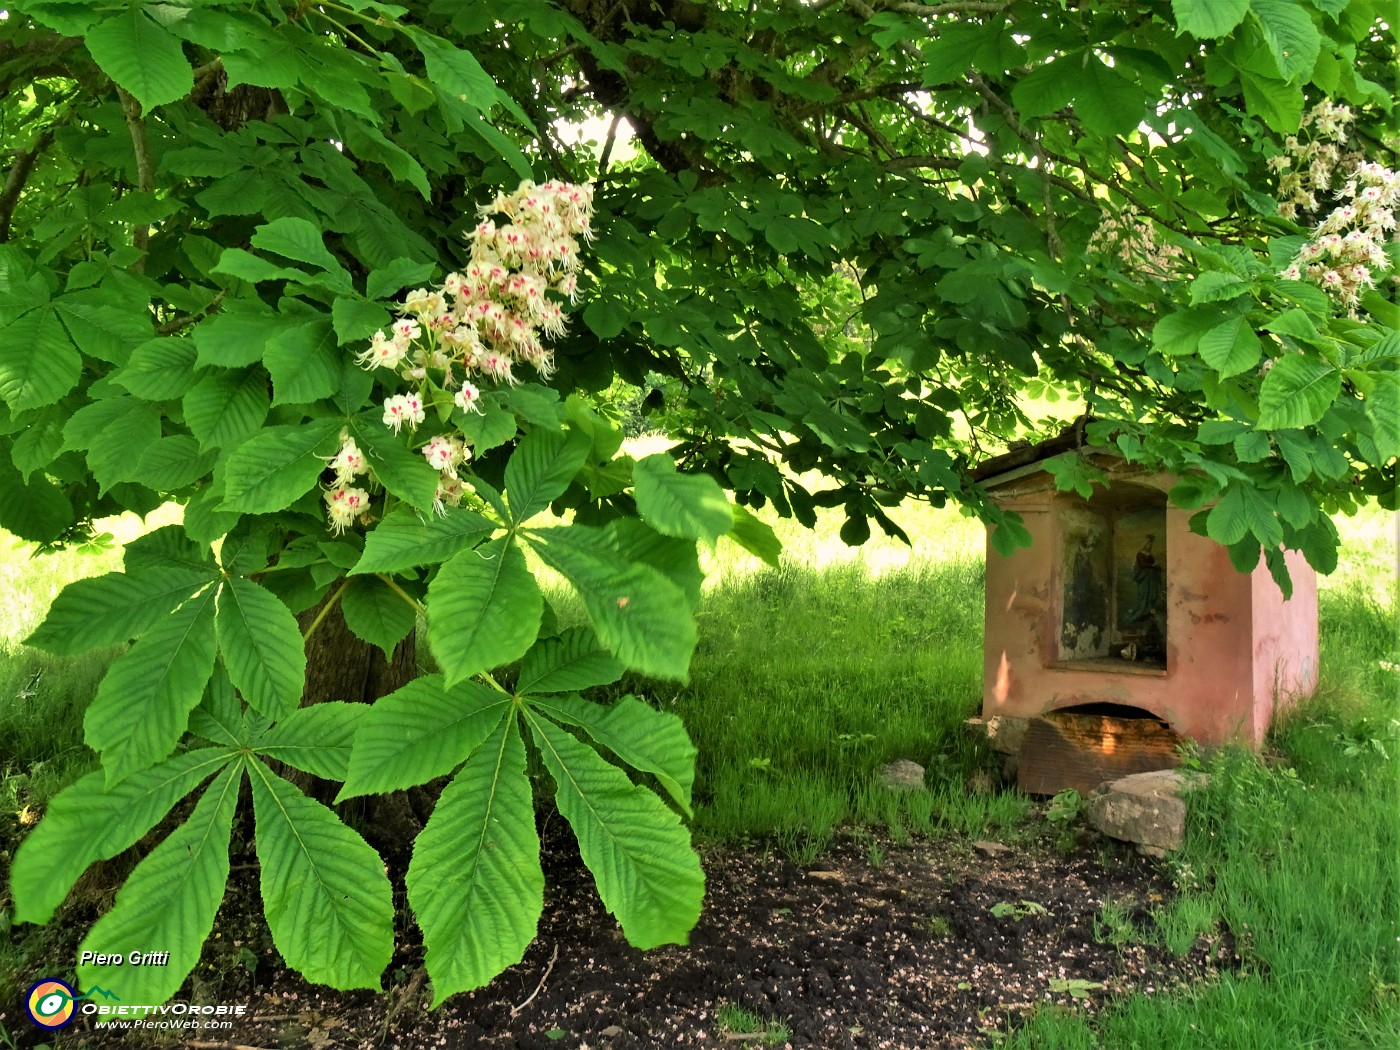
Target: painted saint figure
1148, 578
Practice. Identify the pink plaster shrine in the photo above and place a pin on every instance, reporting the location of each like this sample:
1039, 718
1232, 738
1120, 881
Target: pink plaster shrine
1095, 612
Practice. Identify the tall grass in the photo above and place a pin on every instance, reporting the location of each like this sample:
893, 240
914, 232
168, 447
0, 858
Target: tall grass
808, 677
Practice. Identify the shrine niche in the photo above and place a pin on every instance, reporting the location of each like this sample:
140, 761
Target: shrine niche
1118, 612
1113, 556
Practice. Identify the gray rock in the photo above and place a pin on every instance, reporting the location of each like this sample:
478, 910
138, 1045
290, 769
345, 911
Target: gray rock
901, 775
1004, 732
1145, 808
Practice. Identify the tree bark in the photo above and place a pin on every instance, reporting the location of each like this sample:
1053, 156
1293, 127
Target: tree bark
339, 666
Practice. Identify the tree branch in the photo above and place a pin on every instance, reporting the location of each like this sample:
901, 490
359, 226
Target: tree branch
608, 145
145, 175
183, 321
20, 171
969, 7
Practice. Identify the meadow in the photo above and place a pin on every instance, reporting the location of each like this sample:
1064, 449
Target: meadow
809, 676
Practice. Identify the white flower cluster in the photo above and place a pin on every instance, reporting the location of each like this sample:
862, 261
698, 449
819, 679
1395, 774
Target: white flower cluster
488, 319
1132, 239
483, 322
345, 503
1309, 163
1348, 247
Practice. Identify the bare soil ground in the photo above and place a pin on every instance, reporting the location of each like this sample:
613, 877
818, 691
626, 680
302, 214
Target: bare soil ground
906, 954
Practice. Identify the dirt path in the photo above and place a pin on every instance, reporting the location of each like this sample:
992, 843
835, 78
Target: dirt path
905, 955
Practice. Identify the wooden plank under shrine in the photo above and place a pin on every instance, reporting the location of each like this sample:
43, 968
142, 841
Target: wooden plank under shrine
1072, 749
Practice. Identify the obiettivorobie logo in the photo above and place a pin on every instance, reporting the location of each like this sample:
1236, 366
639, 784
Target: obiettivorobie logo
50, 1002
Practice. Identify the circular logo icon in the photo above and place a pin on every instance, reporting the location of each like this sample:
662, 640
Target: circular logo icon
50, 1003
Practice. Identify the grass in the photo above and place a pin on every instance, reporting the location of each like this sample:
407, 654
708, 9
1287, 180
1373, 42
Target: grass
737, 1021
809, 677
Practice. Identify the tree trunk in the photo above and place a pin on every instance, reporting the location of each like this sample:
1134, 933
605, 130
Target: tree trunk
339, 666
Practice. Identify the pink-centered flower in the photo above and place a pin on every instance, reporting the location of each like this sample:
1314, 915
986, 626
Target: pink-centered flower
467, 397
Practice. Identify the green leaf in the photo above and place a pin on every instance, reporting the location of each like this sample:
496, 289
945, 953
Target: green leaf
356, 319
159, 370
406, 538
643, 737
224, 408
244, 550
245, 266
541, 469
1231, 348
173, 463
1295, 322
687, 506
475, 882
1243, 511
113, 432
36, 510
315, 739
395, 276
271, 469
219, 718
1294, 505
642, 616
38, 362
111, 609
492, 427
484, 609
165, 548
1046, 88
404, 473
237, 335
1383, 410
108, 333
41, 440
1009, 535
262, 647
1208, 19
1217, 285
1180, 333
87, 822
1244, 556
303, 362
606, 317
1319, 543
676, 559
142, 57
1290, 34
575, 660
1280, 105
419, 732
327, 900
458, 73
645, 869
169, 899
143, 704
376, 614
1297, 392
755, 536
1106, 101
1252, 447
297, 239
368, 143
